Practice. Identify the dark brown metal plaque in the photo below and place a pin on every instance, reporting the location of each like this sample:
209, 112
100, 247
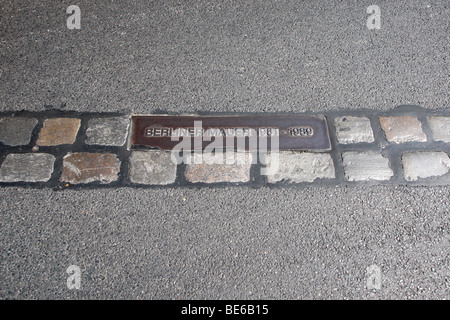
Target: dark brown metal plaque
249, 132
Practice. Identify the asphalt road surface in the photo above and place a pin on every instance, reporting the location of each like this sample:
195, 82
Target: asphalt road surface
228, 242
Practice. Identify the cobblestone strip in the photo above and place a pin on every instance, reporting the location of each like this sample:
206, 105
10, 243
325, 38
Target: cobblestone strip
407, 145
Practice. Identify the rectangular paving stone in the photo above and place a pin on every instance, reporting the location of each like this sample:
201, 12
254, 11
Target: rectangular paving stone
400, 129
57, 131
422, 164
353, 130
16, 131
107, 131
153, 167
85, 167
440, 128
298, 167
365, 166
27, 167
229, 167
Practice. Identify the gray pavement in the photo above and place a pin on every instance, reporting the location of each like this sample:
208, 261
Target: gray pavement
228, 242
259, 56
233, 243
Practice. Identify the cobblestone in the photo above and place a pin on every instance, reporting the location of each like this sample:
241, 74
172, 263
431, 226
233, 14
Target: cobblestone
425, 164
232, 167
27, 167
16, 131
297, 167
402, 129
440, 128
365, 166
89, 167
152, 167
58, 131
353, 130
107, 131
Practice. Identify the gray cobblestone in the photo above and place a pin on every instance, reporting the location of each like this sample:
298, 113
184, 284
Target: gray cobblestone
27, 167
16, 131
353, 130
299, 167
152, 167
107, 131
365, 166
425, 164
440, 128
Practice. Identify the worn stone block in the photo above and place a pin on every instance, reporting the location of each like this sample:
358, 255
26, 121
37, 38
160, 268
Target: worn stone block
422, 164
353, 130
440, 128
154, 167
57, 131
107, 131
297, 167
228, 167
400, 129
16, 131
85, 167
365, 166
28, 167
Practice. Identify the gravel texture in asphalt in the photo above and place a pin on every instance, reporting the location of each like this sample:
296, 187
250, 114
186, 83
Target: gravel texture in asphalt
233, 243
